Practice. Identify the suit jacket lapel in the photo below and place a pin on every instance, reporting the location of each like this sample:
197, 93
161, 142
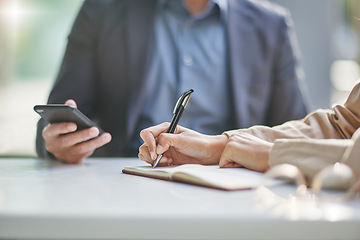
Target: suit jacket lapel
240, 30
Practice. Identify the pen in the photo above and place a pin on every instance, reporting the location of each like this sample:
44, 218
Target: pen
178, 110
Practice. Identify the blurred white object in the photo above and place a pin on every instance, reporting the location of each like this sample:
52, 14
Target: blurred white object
344, 74
287, 172
338, 177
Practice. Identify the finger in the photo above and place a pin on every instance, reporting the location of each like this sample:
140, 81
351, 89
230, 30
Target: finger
79, 137
167, 140
144, 154
77, 153
149, 142
155, 131
90, 146
71, 103
149, 136
56, 129
231, 156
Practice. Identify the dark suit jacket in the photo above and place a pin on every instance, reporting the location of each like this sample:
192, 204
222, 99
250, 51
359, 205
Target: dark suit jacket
108, 55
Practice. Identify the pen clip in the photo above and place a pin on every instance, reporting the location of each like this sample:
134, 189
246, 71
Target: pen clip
183, 100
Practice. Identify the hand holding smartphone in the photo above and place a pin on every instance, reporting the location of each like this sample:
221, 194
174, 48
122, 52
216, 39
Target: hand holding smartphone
62, 140
58, 113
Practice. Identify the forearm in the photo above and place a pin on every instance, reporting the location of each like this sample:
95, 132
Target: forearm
315, 125
340, 123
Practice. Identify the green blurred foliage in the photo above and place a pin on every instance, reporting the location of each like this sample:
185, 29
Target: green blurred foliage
41, 36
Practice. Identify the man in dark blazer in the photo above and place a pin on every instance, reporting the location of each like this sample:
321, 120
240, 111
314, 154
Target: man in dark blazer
111, 56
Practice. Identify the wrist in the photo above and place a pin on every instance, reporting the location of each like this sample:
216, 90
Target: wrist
217, 146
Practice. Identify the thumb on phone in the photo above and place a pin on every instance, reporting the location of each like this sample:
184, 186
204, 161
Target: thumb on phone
71, 102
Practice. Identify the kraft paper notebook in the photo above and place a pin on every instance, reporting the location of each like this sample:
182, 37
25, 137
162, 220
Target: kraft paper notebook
208, 176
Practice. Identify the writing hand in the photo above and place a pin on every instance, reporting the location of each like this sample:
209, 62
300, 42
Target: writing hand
184, 146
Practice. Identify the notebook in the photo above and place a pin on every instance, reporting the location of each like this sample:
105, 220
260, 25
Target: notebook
204, 175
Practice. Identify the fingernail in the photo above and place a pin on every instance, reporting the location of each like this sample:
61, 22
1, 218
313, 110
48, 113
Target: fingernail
71, 127
106, 138
153, 156
94, 132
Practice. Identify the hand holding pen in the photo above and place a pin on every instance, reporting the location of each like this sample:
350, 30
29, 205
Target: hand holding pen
178, 110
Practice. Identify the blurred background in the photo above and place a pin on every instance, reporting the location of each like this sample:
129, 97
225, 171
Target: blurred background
33, 36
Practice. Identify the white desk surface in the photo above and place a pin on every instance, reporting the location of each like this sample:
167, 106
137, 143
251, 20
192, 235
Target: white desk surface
42, 199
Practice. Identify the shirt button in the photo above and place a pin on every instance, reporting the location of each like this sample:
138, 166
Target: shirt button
188, 61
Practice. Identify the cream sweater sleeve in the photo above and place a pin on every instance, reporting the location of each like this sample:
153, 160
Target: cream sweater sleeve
340, 123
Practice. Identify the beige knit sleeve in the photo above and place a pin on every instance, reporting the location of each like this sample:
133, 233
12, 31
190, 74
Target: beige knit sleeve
340, 123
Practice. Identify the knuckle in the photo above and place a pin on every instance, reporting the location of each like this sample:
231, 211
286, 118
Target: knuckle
143, 133
161, 137
236, 141
142, 148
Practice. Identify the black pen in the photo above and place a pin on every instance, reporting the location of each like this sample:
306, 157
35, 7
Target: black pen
178, 110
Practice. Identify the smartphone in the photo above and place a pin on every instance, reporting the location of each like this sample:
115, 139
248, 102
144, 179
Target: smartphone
57, 113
